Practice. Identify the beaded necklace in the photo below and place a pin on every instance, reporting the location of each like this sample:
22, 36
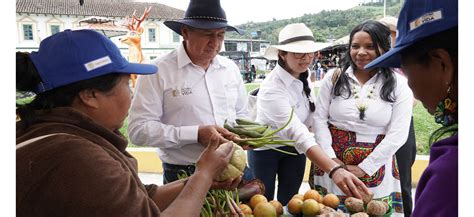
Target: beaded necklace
361, 103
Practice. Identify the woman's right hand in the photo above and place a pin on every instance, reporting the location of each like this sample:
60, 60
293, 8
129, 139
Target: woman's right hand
215, 157
349, 183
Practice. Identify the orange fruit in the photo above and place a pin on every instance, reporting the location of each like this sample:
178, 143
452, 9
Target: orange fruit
256, 199
331, 200
246, 210
310, 207
294, 206
313, 194
299, 196
264, 209
278, 207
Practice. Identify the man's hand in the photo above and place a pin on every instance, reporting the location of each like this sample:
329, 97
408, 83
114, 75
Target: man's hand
205, 133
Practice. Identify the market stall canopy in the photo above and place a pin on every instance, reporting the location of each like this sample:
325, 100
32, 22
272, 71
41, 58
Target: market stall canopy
103, 25
343, 40
340, 43
390, 21
322, 45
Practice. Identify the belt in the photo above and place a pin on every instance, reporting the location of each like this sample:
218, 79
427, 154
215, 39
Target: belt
179, 167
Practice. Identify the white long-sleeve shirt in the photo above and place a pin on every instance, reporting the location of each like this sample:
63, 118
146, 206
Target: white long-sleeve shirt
381, 117
168, 107
278, 94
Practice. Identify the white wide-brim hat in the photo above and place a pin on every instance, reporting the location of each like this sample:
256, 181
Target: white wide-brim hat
390, 22
295, 38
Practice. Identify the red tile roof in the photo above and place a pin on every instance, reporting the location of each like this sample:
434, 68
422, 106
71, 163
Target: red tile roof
106, 8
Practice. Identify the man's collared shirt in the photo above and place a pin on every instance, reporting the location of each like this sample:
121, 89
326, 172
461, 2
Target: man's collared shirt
168, 107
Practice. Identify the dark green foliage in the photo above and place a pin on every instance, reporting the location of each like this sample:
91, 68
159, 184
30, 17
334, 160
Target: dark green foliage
325, 25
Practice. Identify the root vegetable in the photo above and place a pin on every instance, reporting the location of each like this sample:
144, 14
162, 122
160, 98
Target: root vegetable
360, 214
250, 188
354, 205
376, 208
326, 210
333, 214
366, 197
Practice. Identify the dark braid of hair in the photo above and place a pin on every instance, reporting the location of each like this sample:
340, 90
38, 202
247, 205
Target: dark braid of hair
304, 78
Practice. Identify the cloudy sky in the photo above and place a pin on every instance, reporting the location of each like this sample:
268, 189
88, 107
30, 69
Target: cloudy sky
242, 11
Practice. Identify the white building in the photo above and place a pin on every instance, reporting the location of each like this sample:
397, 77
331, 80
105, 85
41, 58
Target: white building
38, 19
247, 52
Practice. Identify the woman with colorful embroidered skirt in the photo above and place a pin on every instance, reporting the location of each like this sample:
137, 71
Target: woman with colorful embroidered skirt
363, 117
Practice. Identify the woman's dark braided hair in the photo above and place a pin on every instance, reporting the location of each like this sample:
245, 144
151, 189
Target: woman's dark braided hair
28, 78
380, 35
303, 78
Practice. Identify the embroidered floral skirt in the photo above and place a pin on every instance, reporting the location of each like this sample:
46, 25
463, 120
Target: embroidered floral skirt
385, 183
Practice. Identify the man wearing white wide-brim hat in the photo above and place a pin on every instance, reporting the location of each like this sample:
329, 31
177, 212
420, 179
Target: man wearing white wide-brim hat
181, 110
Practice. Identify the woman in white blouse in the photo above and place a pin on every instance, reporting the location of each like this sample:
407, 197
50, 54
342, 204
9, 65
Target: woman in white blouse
284, 90
363, 116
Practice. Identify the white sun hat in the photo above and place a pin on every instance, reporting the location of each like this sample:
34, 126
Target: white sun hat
391, 22
295, 38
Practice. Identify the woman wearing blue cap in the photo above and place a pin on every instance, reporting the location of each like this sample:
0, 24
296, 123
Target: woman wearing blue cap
363, 116
427, 50
70, 156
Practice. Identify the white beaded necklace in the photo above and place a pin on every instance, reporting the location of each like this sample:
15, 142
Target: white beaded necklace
361, 103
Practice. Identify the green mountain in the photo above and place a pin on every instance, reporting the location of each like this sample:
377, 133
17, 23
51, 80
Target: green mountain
326, 25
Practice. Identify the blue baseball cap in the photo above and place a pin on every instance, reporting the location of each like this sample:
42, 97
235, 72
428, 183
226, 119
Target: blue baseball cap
418, 19
70, 56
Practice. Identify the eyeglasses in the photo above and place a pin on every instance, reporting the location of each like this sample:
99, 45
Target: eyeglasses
303, 55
